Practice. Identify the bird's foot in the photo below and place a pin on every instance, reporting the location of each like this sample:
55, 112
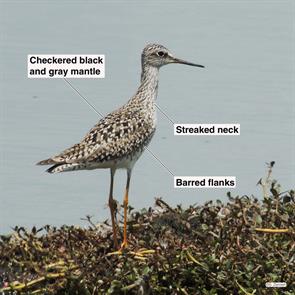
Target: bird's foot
141, 254
121, 249
123, 246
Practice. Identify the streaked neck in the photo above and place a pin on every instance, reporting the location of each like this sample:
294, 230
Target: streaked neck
149, 82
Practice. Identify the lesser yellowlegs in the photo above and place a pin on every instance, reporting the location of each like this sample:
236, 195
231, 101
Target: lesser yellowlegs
118, 140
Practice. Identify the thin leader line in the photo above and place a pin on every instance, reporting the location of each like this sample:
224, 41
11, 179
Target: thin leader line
164, 114
100, 114
159, 160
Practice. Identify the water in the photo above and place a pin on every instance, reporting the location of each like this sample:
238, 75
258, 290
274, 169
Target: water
248, 53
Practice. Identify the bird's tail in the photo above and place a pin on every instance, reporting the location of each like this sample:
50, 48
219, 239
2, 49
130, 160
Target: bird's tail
46, 162
62, 167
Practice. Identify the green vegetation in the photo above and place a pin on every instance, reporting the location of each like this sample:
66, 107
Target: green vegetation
214, 248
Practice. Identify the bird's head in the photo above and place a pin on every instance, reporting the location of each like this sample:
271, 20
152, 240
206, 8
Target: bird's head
156, 55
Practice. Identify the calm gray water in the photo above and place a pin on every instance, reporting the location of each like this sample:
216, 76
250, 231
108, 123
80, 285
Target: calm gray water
247, 48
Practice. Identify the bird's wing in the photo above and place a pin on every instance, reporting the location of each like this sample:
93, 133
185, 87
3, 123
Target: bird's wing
112, 137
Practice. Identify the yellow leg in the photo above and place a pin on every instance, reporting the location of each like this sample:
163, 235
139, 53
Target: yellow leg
142, 252
112, 209
125, 243
114, 224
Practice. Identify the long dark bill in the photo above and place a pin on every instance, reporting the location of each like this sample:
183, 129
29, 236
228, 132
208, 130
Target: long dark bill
181, 61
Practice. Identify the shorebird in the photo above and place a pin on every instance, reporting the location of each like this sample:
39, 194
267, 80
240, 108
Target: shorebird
119, 139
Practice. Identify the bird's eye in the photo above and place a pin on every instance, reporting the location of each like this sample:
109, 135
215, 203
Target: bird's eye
161, 53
